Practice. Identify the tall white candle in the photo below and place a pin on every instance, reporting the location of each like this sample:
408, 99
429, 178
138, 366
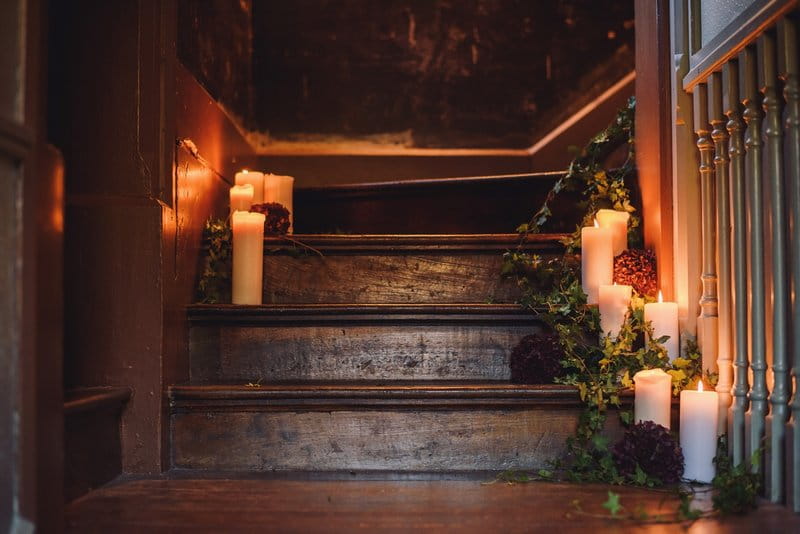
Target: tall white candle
652, 401
248, 257
279, 189
254, 178
614, 302
617, 222
664, 317
597, 260
699, 413
241, 197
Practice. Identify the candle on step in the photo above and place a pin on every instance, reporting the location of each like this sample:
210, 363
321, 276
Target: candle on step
279, 189
248, 257
698, 435
614, 302
617, 222
664, 318
241, 197
652, 401
254, 178
597, 260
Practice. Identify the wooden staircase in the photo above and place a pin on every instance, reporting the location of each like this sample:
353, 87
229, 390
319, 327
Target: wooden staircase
375, 353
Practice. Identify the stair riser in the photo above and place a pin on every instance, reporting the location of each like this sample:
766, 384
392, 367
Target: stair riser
402, 440
383, 277
390, 351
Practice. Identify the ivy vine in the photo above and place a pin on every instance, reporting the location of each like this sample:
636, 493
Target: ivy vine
600, 367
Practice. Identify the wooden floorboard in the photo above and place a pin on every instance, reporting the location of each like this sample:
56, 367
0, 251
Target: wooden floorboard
279, 505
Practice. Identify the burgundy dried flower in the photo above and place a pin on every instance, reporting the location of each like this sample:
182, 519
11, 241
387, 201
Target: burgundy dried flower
653, 449
277, 221
536, 359
637, 268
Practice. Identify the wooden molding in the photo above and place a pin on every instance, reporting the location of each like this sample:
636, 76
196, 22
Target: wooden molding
740, 32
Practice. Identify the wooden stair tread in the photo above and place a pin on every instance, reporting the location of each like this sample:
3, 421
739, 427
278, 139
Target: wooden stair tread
401, 268
79, 400
350, 395
333, 243
423, 426
269, 313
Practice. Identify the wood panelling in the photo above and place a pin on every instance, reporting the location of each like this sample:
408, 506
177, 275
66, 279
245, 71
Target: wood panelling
200, 195
394, 269
382, 427
92, 448
462, 506
114, 314
653, 140
353, 342
493, 204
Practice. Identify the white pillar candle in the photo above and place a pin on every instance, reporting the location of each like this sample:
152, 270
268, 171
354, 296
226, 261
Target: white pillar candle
597, 260
248, 257
254, 178
699, 413
241, 197
279, 189
614, 302
652, 400
617, 222
664, 318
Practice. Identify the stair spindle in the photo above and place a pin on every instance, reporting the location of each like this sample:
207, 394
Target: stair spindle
721, 160
755, 193
779, 396
707, 322
741, 388
788, 71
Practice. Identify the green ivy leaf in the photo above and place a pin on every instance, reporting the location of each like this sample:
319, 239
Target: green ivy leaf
612, 504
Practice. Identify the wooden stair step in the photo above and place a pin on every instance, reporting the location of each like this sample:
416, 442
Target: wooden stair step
275, 343
371, 269
475, 204
92, 446
371, 426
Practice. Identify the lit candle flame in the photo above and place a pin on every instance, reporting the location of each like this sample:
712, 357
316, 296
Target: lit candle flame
700, 385
245, 171
660, 296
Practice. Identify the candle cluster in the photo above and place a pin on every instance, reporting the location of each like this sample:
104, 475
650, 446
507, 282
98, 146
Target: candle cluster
698, 419
599, 245
653, 401
253, 188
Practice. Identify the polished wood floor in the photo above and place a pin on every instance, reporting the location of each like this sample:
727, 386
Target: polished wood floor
259, 505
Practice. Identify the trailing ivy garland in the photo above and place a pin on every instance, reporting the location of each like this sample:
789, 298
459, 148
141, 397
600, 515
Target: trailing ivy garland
599, 188
600, 368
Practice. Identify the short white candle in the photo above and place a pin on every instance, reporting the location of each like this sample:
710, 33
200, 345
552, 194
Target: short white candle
617, 222
248, 257
597, 261
279, 189
241, 197
664, 318
652, 401
699, 413
614, 302
254, 178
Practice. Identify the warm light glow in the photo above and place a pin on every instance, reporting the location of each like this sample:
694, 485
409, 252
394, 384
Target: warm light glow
660, 296
245, 171
596, 224
700, 385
